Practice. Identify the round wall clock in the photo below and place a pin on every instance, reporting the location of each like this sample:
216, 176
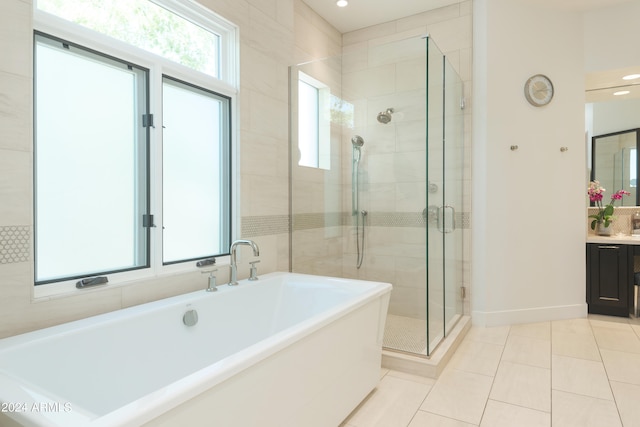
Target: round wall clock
538, 90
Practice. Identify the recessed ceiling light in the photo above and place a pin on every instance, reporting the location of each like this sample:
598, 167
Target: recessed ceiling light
631, 77
622, 92
342, 3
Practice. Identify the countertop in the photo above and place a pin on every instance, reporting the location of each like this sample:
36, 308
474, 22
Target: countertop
618, 239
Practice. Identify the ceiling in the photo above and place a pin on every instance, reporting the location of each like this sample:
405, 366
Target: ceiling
365, 13
601, 85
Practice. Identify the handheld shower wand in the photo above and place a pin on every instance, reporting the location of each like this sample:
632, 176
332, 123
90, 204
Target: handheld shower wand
357, 143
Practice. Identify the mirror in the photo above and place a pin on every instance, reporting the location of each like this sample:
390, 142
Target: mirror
615, 161
612, 107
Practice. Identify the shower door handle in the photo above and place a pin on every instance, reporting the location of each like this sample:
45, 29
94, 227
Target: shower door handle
442, 219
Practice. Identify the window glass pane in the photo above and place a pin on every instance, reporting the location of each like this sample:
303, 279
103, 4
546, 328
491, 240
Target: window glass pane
89, 162
633, 173
308, 124
147, 26
195, 168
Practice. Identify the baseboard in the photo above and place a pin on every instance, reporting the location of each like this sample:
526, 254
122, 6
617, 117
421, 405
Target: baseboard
528, 315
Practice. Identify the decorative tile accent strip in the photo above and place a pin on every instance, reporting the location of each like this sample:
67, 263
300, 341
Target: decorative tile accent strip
307, 221
396, 219
463, 220
278, 224
408, 219
14, 244
264, 225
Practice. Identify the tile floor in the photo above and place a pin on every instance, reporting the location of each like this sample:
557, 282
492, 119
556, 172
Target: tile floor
582, 373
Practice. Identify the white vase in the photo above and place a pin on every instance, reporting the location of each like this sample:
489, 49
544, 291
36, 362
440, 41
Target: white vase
601, 230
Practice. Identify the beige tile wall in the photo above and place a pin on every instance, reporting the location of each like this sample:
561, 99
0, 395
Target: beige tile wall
273, 35
378, 70
398, 81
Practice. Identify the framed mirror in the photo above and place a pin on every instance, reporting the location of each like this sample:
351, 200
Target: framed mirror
616, 162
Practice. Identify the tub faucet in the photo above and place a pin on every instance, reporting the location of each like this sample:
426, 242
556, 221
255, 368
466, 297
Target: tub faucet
233, 281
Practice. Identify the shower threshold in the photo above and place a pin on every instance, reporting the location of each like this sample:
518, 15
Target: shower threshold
403, 352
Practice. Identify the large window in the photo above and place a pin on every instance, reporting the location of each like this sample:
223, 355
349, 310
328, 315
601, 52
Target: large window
91, 178
132, 150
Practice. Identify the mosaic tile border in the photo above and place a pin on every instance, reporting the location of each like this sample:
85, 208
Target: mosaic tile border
265, 225
308, 221
14, 243
15, 240
407, 219
395, 219
622, 222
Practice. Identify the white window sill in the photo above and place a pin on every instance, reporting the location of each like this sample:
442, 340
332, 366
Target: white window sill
68, 288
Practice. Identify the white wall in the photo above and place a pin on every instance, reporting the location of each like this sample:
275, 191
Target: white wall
528, 205
611, 37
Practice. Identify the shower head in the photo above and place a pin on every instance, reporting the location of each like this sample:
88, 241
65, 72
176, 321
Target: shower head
357, 141
384, 117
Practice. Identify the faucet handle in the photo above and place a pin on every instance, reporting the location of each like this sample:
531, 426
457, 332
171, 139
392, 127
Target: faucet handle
253, 272
211, 286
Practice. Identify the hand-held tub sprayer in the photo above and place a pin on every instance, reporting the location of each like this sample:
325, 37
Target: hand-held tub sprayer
357, 143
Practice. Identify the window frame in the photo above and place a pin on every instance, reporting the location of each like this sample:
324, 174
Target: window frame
226, 86
323, 119
226, 181
143, 173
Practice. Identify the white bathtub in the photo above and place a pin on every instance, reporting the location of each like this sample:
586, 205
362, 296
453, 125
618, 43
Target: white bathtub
287, 350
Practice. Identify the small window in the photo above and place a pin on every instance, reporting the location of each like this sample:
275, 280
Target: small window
314, 120
633, 173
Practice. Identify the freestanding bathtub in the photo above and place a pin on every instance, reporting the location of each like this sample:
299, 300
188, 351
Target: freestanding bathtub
288, 350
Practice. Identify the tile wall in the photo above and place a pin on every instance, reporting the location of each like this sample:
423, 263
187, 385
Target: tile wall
381, 68
386, 71
273, 35
622, 222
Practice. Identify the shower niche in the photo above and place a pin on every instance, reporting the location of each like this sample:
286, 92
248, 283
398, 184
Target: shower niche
376, 160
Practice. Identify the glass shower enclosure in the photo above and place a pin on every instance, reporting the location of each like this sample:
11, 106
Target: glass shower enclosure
376, 162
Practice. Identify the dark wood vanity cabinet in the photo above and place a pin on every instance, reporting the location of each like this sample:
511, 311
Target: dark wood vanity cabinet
610, 278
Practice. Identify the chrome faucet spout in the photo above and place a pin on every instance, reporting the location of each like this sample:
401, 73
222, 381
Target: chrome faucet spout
233, 281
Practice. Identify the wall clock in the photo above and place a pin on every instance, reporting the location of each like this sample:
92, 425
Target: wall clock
538, 90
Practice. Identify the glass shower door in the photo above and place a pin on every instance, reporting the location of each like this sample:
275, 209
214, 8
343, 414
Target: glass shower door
453, 161
435, 195
445, 139
385, 205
